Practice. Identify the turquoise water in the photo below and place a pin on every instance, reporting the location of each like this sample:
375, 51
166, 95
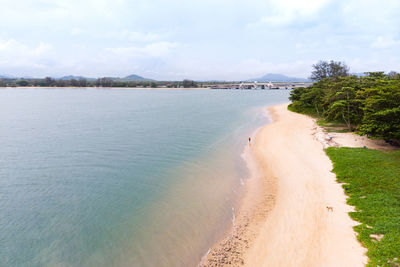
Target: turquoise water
121, 177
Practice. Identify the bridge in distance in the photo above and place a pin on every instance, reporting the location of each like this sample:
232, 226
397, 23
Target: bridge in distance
258, 85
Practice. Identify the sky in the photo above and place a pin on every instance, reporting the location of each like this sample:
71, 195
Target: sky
195, 39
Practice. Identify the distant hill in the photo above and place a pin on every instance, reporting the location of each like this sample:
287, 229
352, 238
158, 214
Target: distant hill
273, 77
129, 78
134, 77
70, 77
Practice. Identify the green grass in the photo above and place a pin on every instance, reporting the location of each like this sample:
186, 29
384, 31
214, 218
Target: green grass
333, 130
325, 123
372, 181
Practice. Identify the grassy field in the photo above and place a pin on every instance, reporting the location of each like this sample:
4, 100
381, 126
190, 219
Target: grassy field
371, 179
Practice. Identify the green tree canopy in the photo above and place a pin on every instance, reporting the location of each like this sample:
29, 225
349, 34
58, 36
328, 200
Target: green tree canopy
332, 69
382, 111
369, 104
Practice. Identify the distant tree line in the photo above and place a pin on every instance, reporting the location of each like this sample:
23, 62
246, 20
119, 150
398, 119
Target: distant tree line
369, 104
101, 82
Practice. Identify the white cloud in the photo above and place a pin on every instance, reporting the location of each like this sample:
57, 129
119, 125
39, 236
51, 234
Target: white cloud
12, 50
240, 70
255, 67
225, 39
373, 63
59, 11
135, 36
285, 12
371, 15
385, 42
158, 49
77, 31
141, 37
17, 58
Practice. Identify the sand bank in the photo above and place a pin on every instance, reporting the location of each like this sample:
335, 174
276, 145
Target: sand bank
294, 212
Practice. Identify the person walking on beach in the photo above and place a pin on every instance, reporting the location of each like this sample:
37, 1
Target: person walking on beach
249, 141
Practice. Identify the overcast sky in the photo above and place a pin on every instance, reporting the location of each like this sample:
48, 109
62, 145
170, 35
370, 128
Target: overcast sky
195, 39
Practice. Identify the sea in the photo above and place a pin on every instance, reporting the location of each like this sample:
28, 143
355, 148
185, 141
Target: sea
117, 177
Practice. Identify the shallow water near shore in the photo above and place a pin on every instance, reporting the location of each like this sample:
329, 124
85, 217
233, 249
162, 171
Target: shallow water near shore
102, 177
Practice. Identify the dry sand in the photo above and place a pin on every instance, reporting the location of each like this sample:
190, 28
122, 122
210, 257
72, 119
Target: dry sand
294, 212
354, 140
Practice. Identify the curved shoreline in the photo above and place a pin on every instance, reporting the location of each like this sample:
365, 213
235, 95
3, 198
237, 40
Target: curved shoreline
257, 201
283, 219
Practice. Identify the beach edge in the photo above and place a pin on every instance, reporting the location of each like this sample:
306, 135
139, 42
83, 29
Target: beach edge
293, 212
254, 206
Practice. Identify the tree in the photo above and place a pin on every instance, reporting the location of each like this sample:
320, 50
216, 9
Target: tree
344, 108
60, 83
370, 104
188, 84
332, 69
382, 111
74, 83
82, 82
48, 81
313, 97
296, 93
393, 75
22, 83
3, 83
104, 82
331, 87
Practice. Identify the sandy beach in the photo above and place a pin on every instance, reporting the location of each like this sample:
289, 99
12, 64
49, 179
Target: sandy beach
294, 213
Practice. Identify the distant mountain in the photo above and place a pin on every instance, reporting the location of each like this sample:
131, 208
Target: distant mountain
5, 77
134, 77
70, 77
273, 77
129, 78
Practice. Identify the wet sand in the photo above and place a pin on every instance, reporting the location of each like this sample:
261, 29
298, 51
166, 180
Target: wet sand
294, 213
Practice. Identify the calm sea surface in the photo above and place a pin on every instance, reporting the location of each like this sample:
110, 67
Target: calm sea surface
121, 177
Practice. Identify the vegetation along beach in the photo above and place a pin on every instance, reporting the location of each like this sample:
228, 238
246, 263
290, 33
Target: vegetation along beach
304, 217
152, 133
